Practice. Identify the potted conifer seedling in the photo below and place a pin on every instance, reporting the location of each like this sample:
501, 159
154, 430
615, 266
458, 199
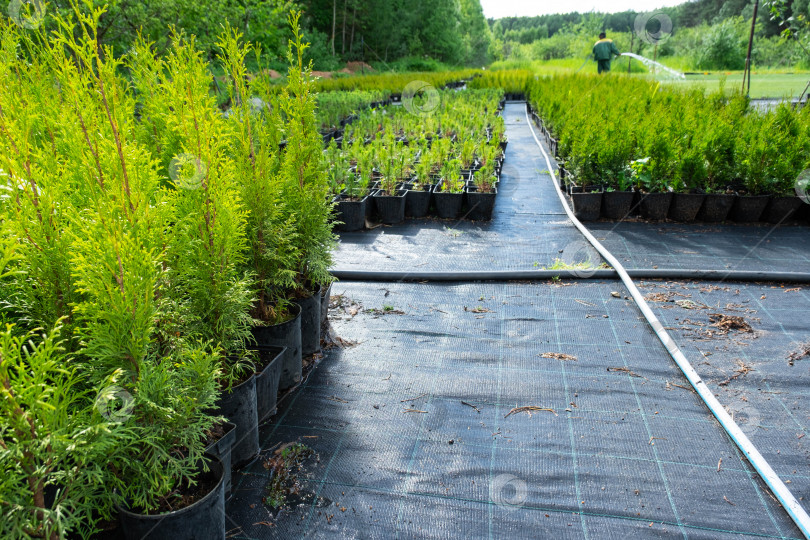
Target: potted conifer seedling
481, 195
419, 194
304, 191
390, 199
449, 192
351, 201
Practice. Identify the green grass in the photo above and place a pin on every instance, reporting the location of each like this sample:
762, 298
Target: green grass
775, 85
765, 82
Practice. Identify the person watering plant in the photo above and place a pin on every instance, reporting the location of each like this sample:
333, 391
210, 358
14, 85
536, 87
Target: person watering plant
603, 51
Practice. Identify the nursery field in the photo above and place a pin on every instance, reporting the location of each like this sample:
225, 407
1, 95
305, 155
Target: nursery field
507, 408
393, 306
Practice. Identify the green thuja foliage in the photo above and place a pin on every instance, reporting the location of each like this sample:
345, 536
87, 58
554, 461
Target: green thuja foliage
53, 443
205, 247
302, 172
117, 263
256, 129
36, 180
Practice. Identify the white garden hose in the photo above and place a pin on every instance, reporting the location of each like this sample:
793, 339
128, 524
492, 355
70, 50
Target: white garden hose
786, 498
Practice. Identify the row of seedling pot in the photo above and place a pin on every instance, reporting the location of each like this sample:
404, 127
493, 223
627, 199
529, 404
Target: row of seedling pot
392, 164
627, 197
450, 196
275, 366
633, 147
595, 202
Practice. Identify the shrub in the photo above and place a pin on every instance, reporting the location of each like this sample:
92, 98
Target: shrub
723, 47
304, 185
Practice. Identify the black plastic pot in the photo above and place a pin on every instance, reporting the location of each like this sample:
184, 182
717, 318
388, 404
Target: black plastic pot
288, 335
781, 209
480, 204
448, 205
325, 295
203, 520
239, 406
352, 214
390, 208
655, 205
268, 374
616, 204
685, 206
222, 448
748, 208
310, 322
715, 207
587, 204
417, 202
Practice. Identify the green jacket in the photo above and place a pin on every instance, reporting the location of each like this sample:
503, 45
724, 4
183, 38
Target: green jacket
604, 49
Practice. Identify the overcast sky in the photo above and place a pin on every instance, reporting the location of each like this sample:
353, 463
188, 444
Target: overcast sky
507, 8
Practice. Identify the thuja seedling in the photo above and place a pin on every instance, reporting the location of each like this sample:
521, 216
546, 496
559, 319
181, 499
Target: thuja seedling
388, 308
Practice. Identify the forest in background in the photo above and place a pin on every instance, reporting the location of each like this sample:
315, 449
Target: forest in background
429, 35
392, 34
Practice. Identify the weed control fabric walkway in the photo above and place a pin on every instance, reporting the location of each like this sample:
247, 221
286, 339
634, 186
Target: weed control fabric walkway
529, 230
533, 410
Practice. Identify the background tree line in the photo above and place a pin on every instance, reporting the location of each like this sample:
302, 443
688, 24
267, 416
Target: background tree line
397, 34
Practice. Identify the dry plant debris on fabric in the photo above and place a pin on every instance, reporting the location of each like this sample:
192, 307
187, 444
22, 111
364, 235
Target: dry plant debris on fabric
803, 351
726, 323
741, 371
558, 356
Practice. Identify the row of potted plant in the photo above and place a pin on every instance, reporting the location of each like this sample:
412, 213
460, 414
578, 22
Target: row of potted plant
397, 164
687, 155
394, 83
336, 109
158, 261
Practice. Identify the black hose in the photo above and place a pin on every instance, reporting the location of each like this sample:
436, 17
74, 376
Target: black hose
544, 275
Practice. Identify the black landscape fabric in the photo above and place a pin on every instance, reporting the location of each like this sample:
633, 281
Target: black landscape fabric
517, 410
534, 410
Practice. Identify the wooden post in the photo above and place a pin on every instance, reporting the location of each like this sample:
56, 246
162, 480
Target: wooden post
747, 71
334, 21
629, 59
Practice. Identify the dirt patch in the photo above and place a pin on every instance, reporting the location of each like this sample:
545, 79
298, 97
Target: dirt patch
340, 303
726, 323
286, 464
354, 67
